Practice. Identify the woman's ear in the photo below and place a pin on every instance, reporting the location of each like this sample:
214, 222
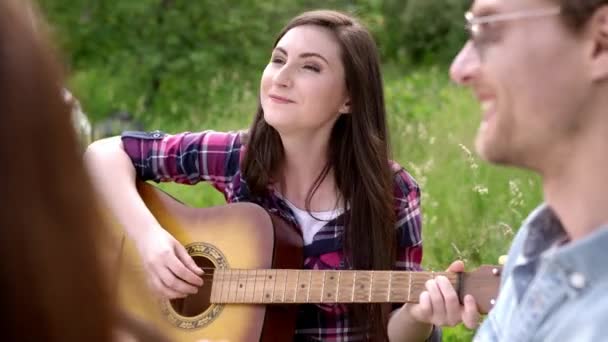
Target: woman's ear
345, 108
599, 34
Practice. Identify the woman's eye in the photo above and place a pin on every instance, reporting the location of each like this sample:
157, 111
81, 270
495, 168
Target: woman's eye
312, 68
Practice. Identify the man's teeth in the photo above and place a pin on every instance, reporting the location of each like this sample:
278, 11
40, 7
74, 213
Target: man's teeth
487, 105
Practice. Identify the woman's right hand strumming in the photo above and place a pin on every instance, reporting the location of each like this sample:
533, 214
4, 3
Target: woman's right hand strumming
171, 272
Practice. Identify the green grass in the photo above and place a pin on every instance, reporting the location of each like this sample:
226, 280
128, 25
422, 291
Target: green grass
470, 209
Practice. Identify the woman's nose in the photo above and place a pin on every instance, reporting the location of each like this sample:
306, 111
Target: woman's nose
283, 76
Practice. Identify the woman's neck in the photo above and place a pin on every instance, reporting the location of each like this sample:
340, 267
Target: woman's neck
305, 160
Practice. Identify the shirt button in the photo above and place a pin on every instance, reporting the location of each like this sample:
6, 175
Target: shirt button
577, 280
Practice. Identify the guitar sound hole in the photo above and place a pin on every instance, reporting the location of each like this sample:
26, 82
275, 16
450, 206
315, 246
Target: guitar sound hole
195, 304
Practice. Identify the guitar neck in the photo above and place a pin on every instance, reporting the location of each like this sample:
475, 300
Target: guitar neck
316, 286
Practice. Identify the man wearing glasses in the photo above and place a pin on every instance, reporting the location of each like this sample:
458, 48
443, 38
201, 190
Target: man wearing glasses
539, 69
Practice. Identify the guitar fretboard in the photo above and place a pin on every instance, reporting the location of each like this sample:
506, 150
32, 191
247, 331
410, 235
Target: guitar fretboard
316, 286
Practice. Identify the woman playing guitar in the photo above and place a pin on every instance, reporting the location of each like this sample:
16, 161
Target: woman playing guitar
317, 154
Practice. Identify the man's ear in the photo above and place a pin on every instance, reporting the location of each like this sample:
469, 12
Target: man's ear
345, 108
599, 34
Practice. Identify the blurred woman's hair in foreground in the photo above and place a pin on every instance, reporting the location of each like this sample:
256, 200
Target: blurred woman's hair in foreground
53, 261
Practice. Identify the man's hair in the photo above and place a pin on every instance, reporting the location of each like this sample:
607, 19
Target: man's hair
576, 13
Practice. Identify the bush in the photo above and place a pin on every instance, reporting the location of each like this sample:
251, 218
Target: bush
423, 31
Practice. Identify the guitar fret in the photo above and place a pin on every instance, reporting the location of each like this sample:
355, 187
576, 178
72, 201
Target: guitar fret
295, 295
308, 288
371, 284
315, 285
255, 282
284, 285
263, 285
338, 287
381, 286
362, 292
245, 283
333, 297
243, 277
236, 282
251, 286
409, 287
291, 288
274, 285
304, 287
232, 288
266, 286
238, 287
352, 297
329, 286
227, 277
390, 283
227, 285
347, 282
278, 289
323, 286
253, 275
263, 294
260, 277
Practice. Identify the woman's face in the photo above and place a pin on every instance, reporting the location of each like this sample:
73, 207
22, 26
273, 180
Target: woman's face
303, 86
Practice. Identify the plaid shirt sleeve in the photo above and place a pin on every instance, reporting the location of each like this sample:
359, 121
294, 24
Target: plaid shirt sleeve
409, 230
185, 158
409, 222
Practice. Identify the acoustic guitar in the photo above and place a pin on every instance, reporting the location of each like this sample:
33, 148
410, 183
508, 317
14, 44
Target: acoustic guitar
253, 277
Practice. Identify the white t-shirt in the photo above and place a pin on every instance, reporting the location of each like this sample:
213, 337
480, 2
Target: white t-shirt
311, 224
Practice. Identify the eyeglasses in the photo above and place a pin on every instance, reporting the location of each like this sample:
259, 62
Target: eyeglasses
475, 25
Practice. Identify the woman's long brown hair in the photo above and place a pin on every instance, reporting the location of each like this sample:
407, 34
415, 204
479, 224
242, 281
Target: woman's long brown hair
358, 155
54, 285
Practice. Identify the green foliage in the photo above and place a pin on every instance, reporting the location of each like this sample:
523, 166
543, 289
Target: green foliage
160, 57
423, 31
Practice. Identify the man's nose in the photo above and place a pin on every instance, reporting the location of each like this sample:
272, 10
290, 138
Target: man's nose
466, 65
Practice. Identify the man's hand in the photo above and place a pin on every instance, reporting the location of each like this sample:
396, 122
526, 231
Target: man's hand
439, 304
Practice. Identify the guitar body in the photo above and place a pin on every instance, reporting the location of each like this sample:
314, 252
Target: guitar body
233, 236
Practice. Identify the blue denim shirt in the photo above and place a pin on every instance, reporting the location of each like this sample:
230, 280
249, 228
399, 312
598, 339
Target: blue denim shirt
551, 290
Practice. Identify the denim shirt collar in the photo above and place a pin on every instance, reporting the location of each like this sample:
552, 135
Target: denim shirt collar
585, 256
544, 230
